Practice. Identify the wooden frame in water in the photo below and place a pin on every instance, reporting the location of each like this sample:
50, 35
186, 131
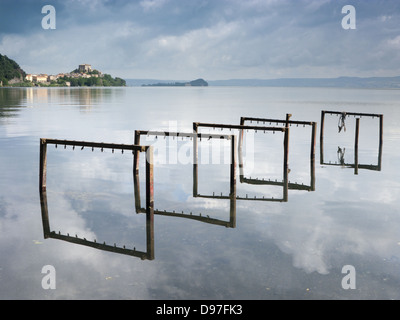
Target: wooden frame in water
358, 116
149, 253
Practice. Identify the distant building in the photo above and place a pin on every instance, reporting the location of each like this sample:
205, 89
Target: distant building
40, 78
83, 73
37, 78
85, 68
51, 78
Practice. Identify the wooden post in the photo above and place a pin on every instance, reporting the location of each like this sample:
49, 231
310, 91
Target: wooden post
195, 143
312, 180
313, 136
149, 203
286, 159
45, 214
136, 187
136, 153
321, 137
356, 146
380, 141
43, 164
240, 149
195, 159
232, 194
286, 140
312, 157
233, 165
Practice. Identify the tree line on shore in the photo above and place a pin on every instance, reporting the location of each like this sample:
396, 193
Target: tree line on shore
11, 74
105, 81
9, 70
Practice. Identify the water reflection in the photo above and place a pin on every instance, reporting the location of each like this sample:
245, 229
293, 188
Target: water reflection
149, 253
341, 161
12, 99
11, 102
83, 97
48, 233
285, 183
231, 223
196, 137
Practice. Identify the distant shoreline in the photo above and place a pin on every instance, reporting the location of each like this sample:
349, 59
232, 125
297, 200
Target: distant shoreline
340, 82
194, 83
383, 83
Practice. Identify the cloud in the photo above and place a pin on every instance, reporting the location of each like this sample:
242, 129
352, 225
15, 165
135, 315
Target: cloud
148, 5
213, 39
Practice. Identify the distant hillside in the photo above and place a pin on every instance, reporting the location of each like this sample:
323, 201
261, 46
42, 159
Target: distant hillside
194, 83
10, 71
341, 82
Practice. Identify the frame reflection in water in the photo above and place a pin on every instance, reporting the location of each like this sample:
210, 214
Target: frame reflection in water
287, 184
197, 138
343, 125
213, 126
48, 233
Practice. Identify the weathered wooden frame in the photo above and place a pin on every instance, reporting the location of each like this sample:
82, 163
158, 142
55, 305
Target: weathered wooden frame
241, 127
149, 253
356, 165
232, 196
287, 122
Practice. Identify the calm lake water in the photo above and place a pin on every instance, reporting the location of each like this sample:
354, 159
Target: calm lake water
333, 234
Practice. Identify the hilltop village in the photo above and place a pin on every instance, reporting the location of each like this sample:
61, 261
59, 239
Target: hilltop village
84, 71
12, 75
84, 75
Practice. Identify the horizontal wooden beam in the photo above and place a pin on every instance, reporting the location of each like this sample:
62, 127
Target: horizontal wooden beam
353, 113
237, 126
243, 119
184, 134
106, 247
94, 144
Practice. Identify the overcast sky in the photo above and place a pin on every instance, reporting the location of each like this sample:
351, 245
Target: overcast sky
211, 39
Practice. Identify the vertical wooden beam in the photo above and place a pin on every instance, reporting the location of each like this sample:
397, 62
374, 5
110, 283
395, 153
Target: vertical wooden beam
195, 143
286, 159
45, 214
136, 153
286, 141
312, 155
240, 150
149, 203
43, 164
380, 141
356, 146
312, 179
232, 194
321, 137
195, 159
232, 214
233, 165
313, 138
136, 187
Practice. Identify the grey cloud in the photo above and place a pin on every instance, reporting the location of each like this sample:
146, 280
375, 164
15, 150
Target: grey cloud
217, 39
